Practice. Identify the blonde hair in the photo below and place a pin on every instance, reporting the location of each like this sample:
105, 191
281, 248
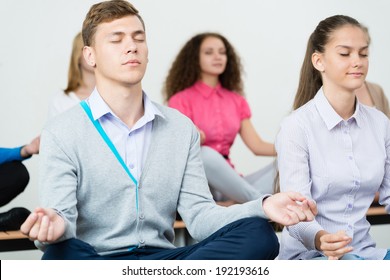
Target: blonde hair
75, 80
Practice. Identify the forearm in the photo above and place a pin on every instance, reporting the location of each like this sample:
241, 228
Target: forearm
306, 233
196, 205
265, 149
58, 182
24, 153
253, 140
10, 154
318, 239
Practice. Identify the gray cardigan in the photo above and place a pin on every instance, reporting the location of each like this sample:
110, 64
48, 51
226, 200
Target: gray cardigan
82, 179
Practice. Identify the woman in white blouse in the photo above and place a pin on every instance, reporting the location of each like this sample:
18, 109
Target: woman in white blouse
334, 149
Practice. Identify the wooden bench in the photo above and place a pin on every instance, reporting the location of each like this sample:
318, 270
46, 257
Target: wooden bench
15, 241
377, 215
179, 225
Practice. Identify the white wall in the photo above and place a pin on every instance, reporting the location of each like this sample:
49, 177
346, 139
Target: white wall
270, 37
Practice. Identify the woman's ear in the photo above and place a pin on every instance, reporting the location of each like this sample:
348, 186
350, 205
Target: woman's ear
316, 59
89, 56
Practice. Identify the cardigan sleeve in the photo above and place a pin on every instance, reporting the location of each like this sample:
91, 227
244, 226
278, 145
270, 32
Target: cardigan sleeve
58, 182
196, 204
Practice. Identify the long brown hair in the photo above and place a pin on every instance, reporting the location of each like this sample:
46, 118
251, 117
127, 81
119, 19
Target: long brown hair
310, 78
185, 70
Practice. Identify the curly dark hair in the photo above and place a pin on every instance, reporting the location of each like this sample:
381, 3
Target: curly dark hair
185, 70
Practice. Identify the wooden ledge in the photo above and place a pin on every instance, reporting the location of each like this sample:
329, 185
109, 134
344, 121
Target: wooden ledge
375, 211
372, 211
377, 215
16, 234
15, 241
179, 224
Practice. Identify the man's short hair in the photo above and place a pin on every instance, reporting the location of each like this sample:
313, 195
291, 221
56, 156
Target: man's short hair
105, 12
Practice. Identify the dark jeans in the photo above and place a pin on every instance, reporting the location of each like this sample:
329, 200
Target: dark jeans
245, 239
14, 178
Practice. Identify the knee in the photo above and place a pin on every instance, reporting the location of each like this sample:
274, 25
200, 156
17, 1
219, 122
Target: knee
23, 174
262, 242
210, 157
14, 179
17, 173
70, 249
206, 153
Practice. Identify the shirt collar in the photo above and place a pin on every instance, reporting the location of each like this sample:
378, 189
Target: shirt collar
206, 90
329, 115
99, 107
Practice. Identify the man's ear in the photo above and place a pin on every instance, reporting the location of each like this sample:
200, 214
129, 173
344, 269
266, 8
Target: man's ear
316, 59
89, 56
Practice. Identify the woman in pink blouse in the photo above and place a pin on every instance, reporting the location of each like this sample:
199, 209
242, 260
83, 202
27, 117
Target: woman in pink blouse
204, 83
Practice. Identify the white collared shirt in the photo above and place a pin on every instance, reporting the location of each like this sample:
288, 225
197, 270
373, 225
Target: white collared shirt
131, 143
340, 164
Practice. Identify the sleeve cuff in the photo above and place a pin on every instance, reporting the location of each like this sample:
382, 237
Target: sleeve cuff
17, 154
308, 238
263, 215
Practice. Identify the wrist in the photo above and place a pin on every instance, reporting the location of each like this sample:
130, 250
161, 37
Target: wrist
23, 152
318, 239
265, 204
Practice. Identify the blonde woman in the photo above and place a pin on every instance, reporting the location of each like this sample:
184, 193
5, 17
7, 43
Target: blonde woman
81, 81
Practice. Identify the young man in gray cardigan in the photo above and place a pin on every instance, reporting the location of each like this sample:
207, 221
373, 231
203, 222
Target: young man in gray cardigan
115, 170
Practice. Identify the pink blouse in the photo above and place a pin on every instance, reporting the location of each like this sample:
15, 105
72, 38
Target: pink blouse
217, 111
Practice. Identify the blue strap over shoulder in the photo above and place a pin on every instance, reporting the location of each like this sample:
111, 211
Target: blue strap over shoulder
108, 141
